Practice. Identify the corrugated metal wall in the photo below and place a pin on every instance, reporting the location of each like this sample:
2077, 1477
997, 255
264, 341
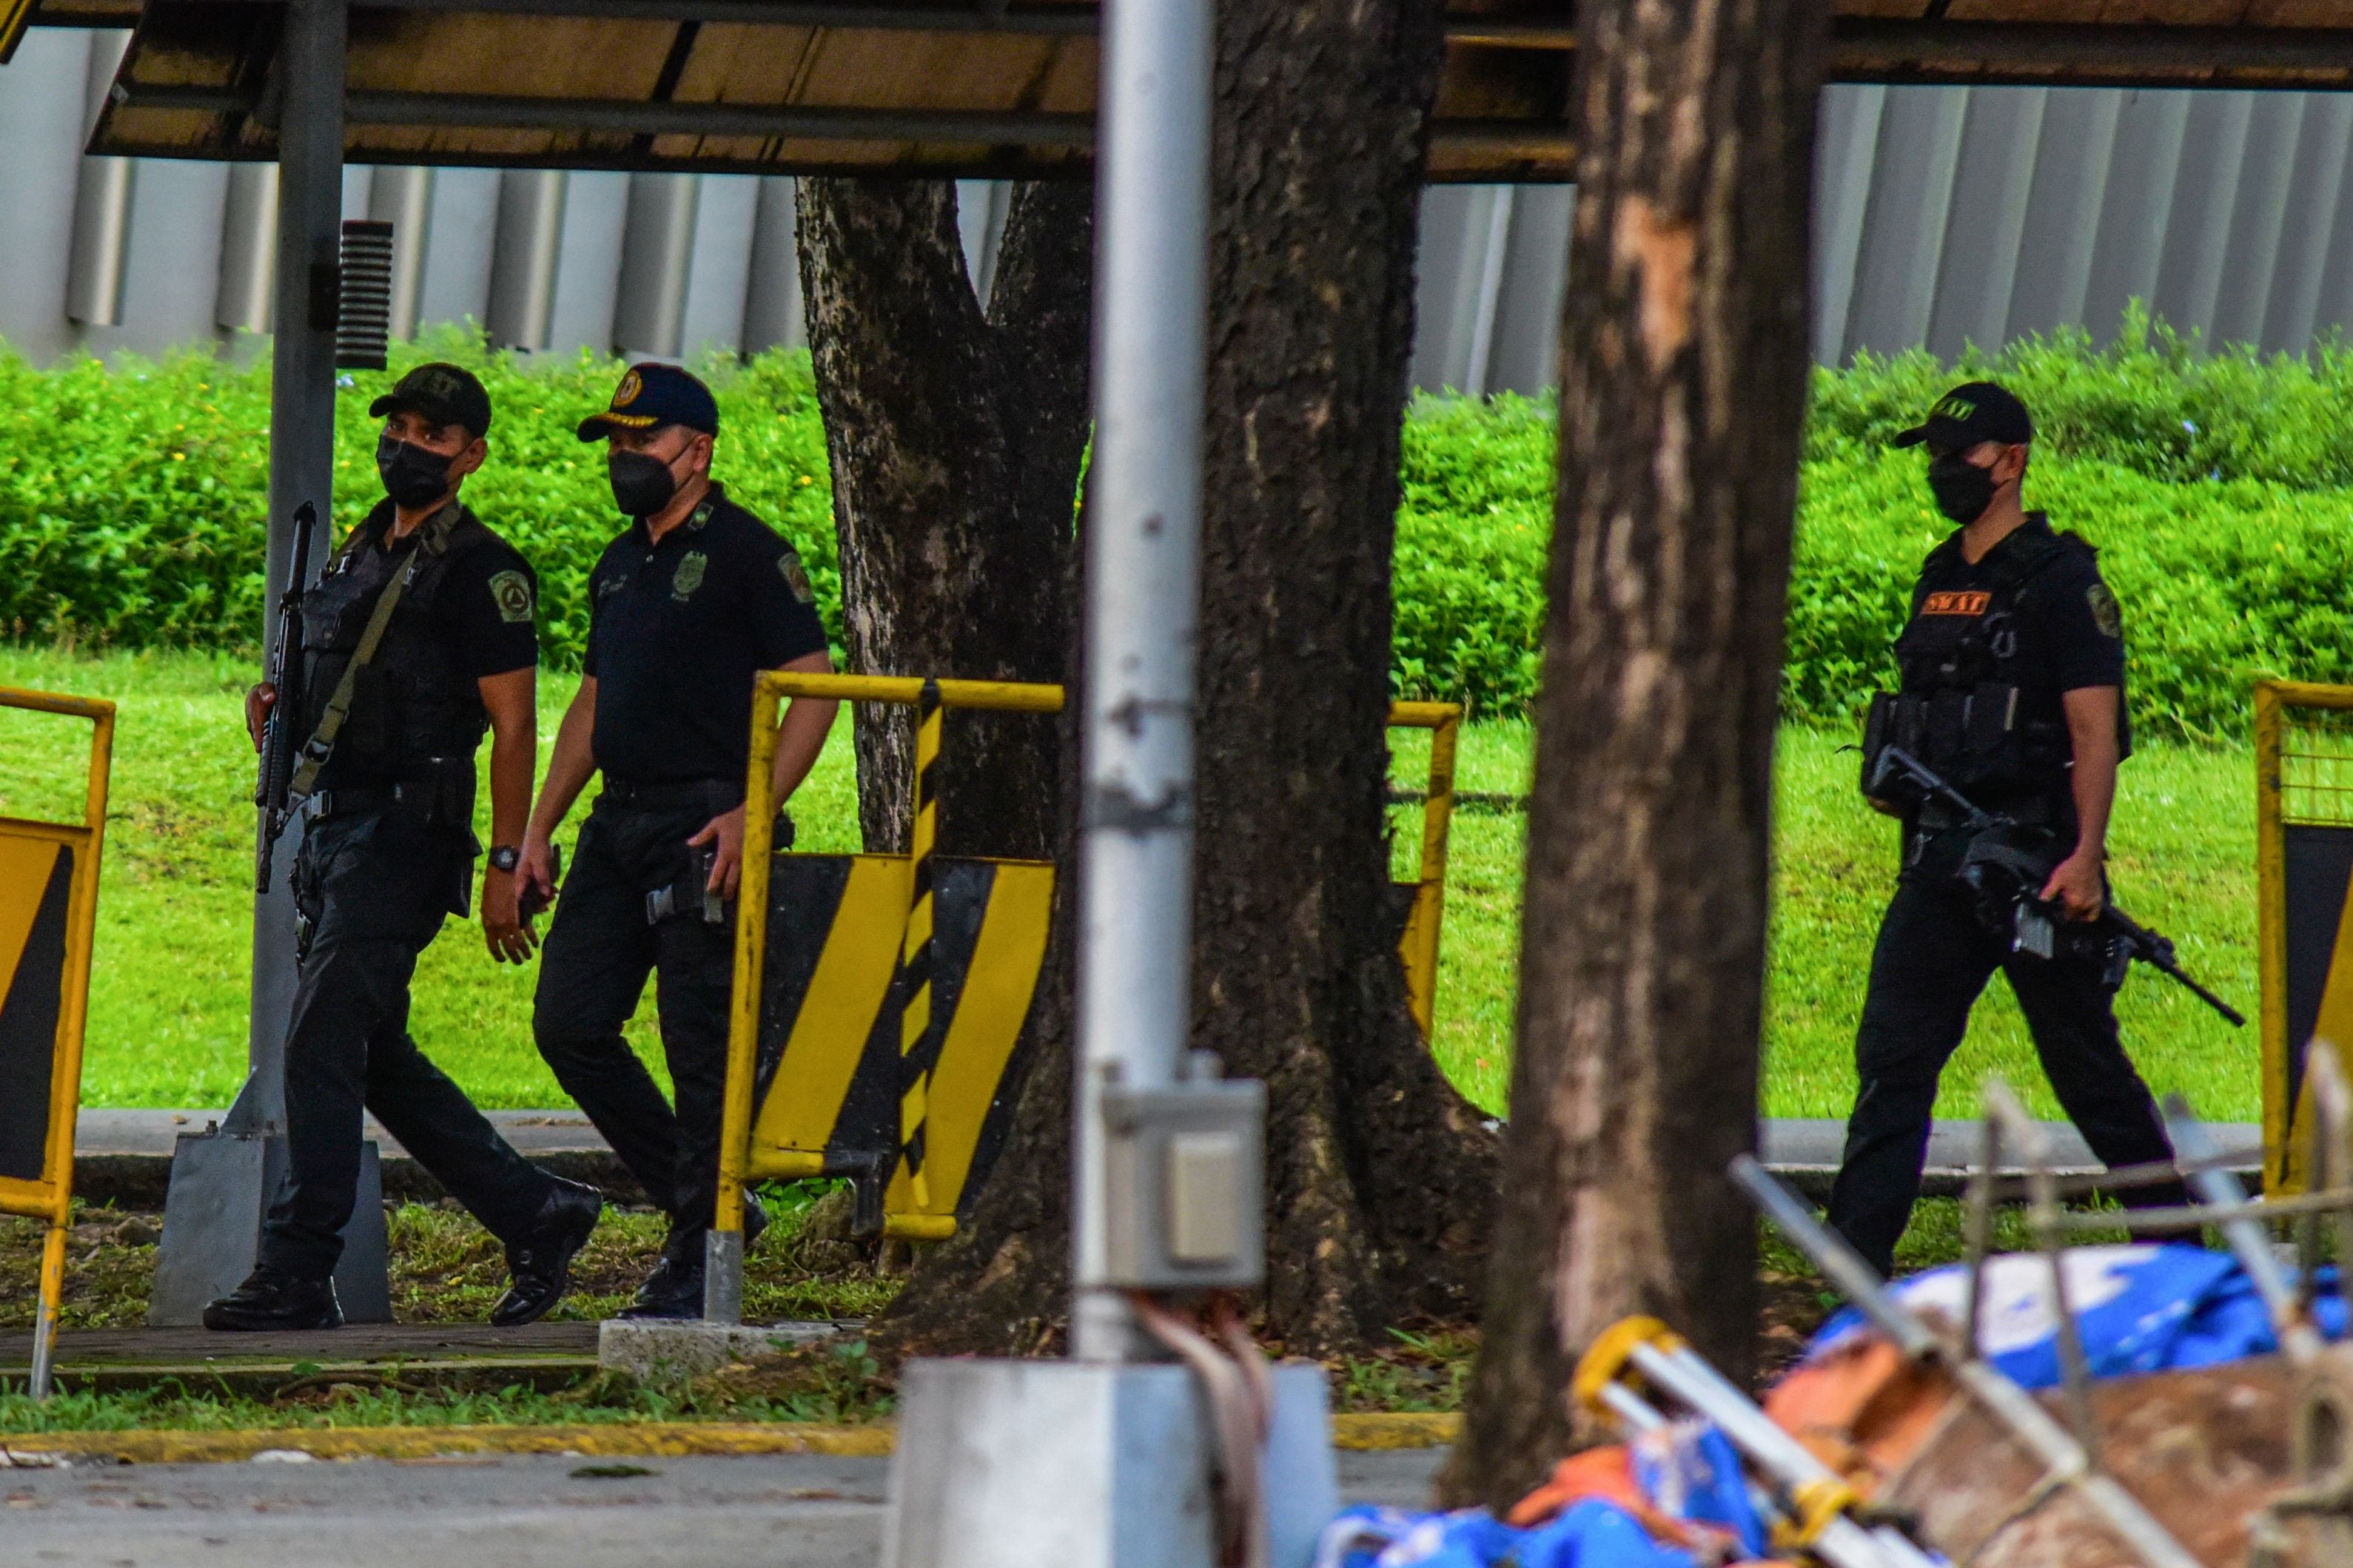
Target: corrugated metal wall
1944, 215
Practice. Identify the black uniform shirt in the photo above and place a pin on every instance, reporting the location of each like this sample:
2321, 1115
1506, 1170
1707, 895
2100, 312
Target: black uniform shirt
484, 611
2070, 630
677, 632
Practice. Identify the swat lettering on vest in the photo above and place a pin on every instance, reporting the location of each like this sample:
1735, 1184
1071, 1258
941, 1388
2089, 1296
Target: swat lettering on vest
1957, 602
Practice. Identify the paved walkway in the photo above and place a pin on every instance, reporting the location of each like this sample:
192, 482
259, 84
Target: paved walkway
1789, 1144
516, 1511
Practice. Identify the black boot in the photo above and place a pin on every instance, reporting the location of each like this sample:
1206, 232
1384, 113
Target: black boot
540, 1263
272, 1299
674, 1289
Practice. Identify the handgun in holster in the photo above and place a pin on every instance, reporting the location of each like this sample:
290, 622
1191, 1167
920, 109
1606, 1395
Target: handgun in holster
690, 894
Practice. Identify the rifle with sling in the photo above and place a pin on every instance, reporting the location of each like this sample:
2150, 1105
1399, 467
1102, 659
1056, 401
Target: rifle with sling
1998, 867
275, 794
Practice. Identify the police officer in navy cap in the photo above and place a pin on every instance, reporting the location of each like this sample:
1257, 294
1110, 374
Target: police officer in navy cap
2014, 685
694, 598
418, 640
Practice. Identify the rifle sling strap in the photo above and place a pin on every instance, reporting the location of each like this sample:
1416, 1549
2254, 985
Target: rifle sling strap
321, 746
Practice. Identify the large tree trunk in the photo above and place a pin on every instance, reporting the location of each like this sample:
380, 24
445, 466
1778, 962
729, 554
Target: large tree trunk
1642, 951
956, 435
1380, 1176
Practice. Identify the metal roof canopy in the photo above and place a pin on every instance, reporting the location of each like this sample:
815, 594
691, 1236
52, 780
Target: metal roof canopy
998, 90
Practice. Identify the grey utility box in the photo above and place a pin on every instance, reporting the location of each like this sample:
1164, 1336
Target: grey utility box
1185, 1167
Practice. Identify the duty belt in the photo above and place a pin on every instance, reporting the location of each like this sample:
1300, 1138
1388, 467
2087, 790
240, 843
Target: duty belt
714, 795
424, 794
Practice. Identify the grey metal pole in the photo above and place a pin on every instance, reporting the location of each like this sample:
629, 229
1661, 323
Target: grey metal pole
301, 455
1143, 547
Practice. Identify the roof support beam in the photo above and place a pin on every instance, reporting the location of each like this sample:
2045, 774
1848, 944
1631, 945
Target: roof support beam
1873, 49
782, 121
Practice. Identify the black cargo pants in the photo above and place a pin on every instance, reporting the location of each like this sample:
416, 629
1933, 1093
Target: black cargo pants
1933, 958
592, 970
374, 887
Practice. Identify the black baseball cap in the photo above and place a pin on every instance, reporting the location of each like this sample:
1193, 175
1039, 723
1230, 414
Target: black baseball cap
1978, 411
651, 395
445, 394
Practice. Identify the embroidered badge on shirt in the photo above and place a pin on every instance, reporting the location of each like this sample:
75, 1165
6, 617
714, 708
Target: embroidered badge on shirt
2106, 612
511, 590
690, 575
790, 563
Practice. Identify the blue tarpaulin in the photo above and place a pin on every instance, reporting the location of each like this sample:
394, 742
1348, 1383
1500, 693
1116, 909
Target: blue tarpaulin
2137, 1308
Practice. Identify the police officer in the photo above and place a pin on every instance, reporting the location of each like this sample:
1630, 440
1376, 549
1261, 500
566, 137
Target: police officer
2013, 674
687, 606
417, 638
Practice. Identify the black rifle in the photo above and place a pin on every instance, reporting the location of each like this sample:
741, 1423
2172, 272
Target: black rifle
1995, 864
279, 741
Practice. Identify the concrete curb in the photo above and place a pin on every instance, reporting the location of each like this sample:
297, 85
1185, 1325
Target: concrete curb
1380, 1431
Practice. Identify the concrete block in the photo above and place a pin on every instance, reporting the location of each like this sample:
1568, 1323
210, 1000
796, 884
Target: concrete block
656, 1350
1008, 1464
221, 1186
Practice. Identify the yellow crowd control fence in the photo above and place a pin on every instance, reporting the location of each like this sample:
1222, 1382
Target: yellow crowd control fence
881, 1001
48, 912
2304, 888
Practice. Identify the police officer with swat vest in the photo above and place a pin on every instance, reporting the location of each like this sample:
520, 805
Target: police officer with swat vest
2013, 673
417, 638
687, 606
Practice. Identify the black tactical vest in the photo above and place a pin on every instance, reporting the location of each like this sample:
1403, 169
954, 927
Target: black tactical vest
1959, 708
414, 701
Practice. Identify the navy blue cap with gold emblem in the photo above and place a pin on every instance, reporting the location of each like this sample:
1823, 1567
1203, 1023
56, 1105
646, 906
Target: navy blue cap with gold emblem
1975, 411
651, 395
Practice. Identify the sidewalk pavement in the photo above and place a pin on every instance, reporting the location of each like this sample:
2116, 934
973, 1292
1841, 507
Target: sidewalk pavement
800, 1510
127, 1153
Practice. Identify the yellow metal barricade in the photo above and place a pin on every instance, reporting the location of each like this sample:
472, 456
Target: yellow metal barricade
2304, 876
873, 1041
48, 912
1419, 946
879, 999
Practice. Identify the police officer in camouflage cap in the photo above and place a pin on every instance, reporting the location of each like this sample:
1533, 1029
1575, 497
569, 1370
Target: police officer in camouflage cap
2012, 690
416, 640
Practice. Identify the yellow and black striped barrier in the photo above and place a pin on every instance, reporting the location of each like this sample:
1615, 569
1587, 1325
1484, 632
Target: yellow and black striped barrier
48, 912
880, 1000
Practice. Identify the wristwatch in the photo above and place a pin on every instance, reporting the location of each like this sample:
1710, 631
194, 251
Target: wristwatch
505, 857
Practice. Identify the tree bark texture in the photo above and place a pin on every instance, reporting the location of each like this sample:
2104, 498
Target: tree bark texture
956, 435
1684, 375
1380, 1176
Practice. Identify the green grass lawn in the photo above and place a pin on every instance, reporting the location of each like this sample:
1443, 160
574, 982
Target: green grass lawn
168, 1012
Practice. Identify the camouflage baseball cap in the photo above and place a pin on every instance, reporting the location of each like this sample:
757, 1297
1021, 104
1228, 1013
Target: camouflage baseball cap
445, 394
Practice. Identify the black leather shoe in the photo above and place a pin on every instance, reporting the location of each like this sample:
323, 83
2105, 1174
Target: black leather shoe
541, 1263
674, 1288
270, 1298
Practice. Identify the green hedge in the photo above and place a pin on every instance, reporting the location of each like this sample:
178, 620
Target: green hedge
132, 501
2219, 487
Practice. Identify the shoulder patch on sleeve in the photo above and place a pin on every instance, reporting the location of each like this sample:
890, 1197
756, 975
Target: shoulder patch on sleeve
790, 563
2106, 612
511, 590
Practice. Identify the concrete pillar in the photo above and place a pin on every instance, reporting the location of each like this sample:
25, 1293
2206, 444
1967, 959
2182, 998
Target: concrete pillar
2062, 210
771, 306
2000, 137
1903, 225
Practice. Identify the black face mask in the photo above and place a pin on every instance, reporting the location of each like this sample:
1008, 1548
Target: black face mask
411, 476
1963, 490
642, 485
